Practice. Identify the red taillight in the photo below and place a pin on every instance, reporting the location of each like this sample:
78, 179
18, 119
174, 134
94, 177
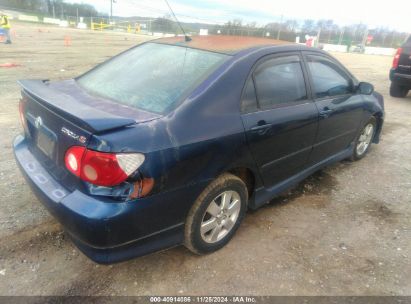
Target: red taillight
396, 58
100, 168
73, 159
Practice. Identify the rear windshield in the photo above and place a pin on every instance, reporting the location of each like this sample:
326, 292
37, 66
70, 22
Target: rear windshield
153, 77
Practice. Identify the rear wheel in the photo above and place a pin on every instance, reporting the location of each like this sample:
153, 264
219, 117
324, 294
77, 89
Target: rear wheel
398, 90
364, 139
216, 214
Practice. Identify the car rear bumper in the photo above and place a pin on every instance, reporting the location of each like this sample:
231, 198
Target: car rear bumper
400, 78
109, 232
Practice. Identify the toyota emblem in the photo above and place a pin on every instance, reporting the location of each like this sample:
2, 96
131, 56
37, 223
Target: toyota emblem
38, 122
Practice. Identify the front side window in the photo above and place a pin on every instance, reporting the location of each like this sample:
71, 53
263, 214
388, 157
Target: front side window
328, 79
152, 77
280, 81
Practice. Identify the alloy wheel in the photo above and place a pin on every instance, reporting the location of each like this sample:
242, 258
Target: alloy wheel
220, 217
365, 139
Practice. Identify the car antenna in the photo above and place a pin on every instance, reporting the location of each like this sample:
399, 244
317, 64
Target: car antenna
187, 38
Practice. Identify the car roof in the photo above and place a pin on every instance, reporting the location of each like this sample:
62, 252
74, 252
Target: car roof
223, 44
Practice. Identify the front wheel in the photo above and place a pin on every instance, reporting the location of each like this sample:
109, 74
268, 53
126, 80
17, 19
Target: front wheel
364, 139
216, 214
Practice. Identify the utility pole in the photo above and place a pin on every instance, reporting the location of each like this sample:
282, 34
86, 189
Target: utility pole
279, 28
111, 10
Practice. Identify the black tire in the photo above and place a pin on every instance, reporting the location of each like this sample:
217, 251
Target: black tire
356, 153
398, 90
194, 240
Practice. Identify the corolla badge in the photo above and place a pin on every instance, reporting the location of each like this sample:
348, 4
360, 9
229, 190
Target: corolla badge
38, 122
73, 135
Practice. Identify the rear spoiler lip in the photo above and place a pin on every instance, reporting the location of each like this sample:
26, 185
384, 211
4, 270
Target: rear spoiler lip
73, 110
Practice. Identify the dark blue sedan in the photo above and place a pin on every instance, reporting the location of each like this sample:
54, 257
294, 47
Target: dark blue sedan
171, 141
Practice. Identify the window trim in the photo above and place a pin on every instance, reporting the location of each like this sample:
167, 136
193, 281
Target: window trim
261, 61
352, 79
243, 92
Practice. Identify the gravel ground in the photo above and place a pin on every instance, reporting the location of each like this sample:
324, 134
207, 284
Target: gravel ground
343, 231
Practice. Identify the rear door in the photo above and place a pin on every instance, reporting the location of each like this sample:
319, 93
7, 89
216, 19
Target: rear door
340, 107
279, 118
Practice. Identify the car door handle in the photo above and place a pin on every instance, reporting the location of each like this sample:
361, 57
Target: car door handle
261, 127
325, 112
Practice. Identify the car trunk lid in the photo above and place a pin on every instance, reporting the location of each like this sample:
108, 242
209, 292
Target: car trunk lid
60, 115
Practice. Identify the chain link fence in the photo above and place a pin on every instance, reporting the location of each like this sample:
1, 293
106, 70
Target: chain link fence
289, 30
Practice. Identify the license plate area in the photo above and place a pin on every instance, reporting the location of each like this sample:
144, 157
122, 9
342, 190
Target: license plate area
46, 141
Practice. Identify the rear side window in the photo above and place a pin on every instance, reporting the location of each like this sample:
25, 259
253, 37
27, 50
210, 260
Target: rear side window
279, 81
328, 79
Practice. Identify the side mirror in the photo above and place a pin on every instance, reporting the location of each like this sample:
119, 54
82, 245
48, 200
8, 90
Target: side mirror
365, 88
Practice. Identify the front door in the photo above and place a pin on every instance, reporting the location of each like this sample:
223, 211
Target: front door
279, 118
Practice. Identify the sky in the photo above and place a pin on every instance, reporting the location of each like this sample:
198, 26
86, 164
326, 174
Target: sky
375, 13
